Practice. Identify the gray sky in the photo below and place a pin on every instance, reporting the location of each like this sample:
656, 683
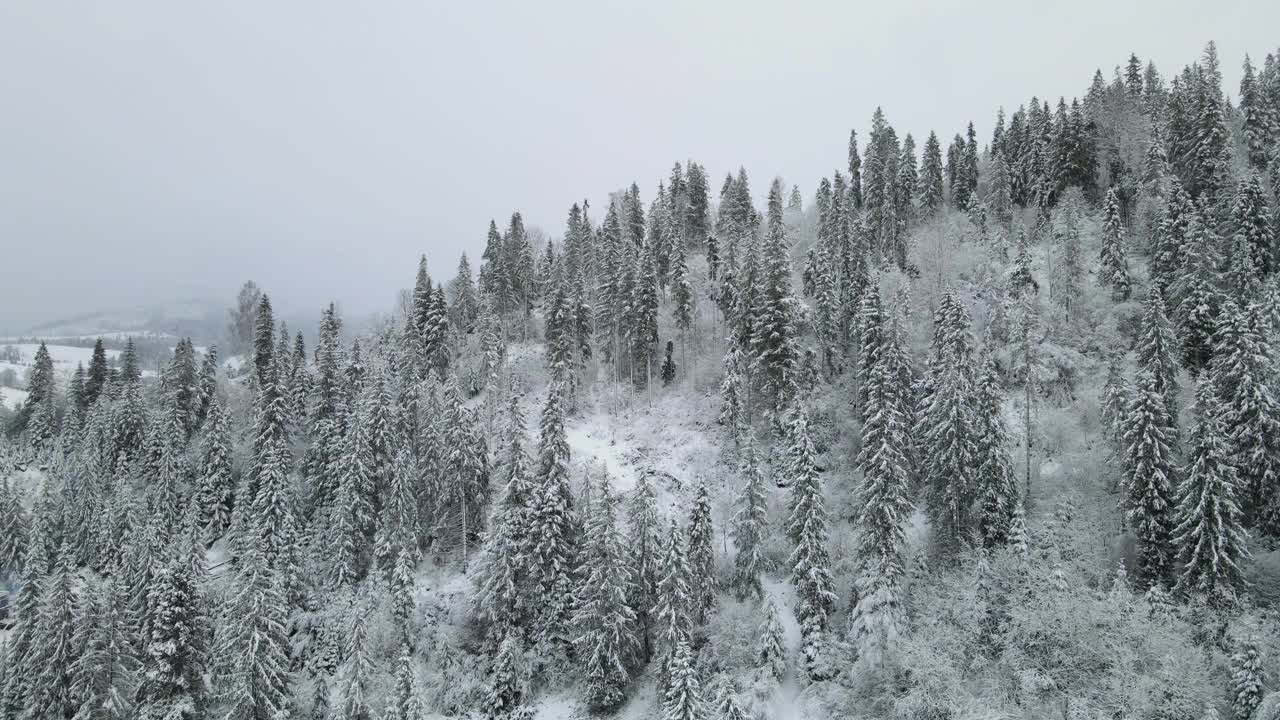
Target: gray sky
156, 150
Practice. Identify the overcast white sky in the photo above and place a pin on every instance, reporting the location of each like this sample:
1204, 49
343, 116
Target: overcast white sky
153, 150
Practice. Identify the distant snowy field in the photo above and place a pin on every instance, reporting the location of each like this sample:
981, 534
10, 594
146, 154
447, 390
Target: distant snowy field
65, 358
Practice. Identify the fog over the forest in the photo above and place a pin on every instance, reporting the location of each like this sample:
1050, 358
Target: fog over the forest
156, 151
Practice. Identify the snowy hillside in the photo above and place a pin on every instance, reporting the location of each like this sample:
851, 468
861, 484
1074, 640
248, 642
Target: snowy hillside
995, 436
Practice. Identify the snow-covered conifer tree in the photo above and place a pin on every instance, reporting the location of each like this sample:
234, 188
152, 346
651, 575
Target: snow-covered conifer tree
1115, 262
749, 527
701, 554
1208, 535
603, 619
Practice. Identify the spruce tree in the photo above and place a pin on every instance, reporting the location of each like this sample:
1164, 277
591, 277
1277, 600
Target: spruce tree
1251, 221
1150, 478
504, 570
252, 676
701, 553
505, 690
1156, 353
884, 500
215, 489
809, 562
773, 342
49, 659
1248, 678
750, 523
552, 518
172, 686
1250, 413
948, 429
358, 671
673, 623
404, 703
646, 548
1115, 263
1209, 537
668, 366
96, 378
1196, 296
931, 191
683, 700
997, 489
106, 670
771, 652
604, 620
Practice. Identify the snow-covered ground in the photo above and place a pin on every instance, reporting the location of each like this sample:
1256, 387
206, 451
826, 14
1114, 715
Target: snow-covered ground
65, 358
11, 397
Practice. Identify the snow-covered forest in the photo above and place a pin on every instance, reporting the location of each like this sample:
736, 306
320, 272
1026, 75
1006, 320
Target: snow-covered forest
972, 428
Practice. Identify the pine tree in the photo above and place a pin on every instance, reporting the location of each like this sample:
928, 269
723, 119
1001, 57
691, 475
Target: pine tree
605, 620
683, 700
1208, 535
750, 523
1248, 677
1115, 263
807, 528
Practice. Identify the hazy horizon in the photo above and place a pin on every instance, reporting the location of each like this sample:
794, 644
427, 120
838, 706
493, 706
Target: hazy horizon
156, 152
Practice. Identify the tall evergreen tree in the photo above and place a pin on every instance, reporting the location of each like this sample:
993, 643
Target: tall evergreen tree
554, 552
701, 553
646, 547
1209, 536
252, 676
1250, 414
683, 699
504, 572
1149, 479
604, 619
810, 562
173, 687
750, 523
1115, 263
884, 500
